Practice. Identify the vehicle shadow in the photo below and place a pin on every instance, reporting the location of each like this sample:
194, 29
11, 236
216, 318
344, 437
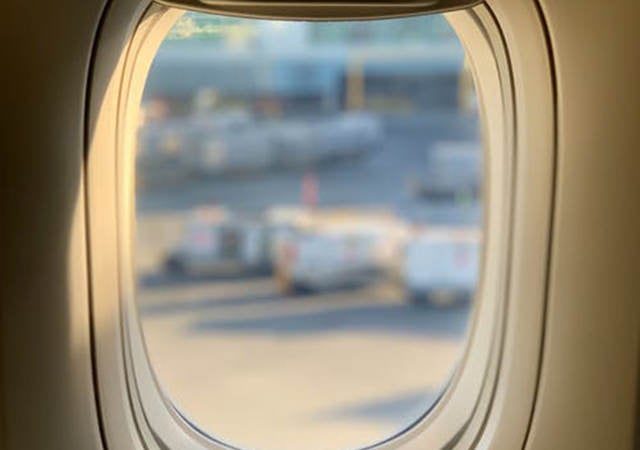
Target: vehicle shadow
397, 318
204, 304
164, 279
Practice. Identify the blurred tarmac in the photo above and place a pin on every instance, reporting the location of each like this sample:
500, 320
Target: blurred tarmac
356, 365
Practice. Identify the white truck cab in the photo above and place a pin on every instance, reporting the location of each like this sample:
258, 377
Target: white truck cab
441, 265
337, 249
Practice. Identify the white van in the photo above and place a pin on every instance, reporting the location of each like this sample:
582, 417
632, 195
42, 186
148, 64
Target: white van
453, 170
337, 249
319, 261
441, 266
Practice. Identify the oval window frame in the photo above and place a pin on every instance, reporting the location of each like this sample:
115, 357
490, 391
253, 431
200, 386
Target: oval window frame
130, 397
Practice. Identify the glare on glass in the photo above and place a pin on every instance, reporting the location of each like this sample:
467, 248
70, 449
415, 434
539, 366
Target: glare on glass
309, 200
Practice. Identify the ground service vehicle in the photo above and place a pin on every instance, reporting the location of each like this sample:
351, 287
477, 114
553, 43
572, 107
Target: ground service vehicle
337, 249
215, 242
453, 171
441, 266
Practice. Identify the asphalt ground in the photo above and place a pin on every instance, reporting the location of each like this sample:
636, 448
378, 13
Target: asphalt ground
329, 370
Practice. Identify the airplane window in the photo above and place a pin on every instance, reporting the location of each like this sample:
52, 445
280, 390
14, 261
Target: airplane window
308, 225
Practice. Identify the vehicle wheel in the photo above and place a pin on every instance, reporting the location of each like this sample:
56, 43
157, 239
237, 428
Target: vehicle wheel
174, 265
420, 299
300, 289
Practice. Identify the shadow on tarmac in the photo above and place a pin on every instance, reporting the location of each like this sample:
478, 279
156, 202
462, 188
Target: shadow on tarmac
403, 319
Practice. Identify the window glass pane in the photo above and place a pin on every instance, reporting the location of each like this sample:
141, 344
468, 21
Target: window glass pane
308, 225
